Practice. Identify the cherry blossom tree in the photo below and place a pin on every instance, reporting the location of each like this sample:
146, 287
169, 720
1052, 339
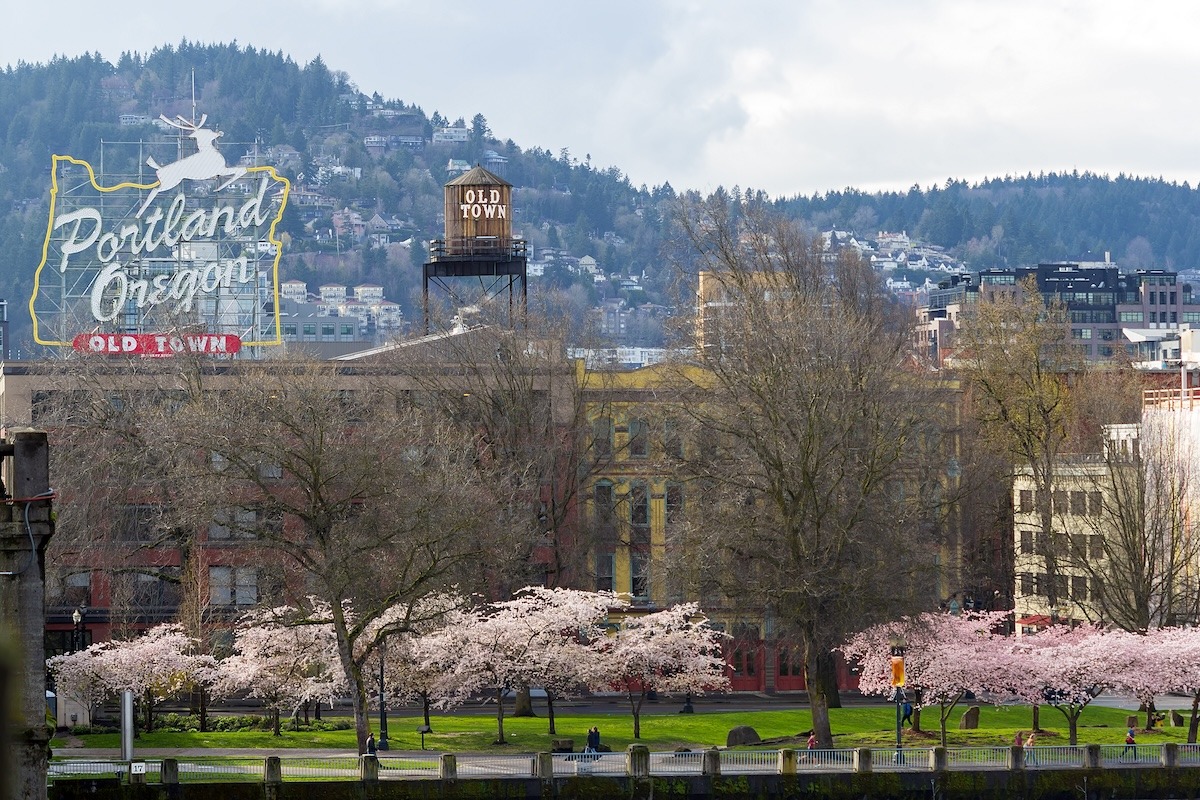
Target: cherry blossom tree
568, 625
1063, 667
670, 651
946, 656
411, 669
524, 640
282, 663
154, 666
1165, 660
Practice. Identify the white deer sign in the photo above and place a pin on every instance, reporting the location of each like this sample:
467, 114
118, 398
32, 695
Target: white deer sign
205, 164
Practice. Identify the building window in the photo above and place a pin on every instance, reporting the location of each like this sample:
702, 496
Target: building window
672, 439
1079, 588
1079, 503
1027, 584
1136, 316
1096, 546
639, 505
156, 593
236, 523
639, 439
673, 500
232, 586
604, 572
142, 523
327, 331
347, 330
602, 506
289, 330
1026, 542
1095, 503
1026, 501
1060, 502
791, 662
1097, 587
639, 575
309, 329
602, 435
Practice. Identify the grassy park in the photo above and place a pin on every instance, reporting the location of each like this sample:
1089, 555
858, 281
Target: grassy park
855, 726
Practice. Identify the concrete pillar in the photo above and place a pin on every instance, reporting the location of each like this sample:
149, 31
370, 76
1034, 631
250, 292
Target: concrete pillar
712, 762
862, 759
368, 768
25, 530
1016, 758
448, 767
637, 761
787, 762
1091, 756
137, 771
1170, 755
272, 770
169, 771
938, 760
545, 766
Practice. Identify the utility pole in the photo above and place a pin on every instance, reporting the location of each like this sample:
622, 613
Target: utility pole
26, 526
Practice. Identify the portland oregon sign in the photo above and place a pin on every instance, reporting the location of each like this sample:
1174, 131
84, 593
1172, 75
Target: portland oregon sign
168, 249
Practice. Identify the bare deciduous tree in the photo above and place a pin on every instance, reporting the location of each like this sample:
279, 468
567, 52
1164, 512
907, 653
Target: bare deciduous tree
816, 479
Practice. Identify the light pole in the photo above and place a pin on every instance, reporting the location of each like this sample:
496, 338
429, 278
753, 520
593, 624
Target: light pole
383, 742
897, 648
77, 617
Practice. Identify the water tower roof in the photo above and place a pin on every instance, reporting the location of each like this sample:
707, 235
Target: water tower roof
478, 176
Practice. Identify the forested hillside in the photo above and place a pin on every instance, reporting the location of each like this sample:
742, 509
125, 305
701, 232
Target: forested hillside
266, 101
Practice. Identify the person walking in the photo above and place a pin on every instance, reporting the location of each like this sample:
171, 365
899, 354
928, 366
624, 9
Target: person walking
908, 711
593, 740
1030, 755
1130, 746
370, 744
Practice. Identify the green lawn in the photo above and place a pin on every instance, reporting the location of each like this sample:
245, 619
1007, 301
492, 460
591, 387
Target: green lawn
852, 727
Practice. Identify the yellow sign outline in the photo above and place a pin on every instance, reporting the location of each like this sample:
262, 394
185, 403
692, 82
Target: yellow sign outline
37, 276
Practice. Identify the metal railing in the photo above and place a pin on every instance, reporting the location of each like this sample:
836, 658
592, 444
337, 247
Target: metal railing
978, 757
410, 766
1054, 757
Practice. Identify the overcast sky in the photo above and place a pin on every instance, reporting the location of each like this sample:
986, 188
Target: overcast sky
789, 96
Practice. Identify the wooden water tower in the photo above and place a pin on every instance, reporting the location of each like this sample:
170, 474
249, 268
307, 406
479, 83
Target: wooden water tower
478, 243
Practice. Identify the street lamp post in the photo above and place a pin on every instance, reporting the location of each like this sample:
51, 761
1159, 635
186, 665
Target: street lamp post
383, 742
897, 648
77, 617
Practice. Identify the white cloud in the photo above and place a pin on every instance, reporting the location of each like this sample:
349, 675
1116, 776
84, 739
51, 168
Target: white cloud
791, 96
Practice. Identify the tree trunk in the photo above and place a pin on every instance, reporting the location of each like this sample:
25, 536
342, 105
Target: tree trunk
916, 720
1194, 722
354, 676
523, 704
500, 716
636, 707
203, 710
827, 672
275, 721
149, 720
818, 700
1150, 715
425, 708
1037, 717
550, 711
